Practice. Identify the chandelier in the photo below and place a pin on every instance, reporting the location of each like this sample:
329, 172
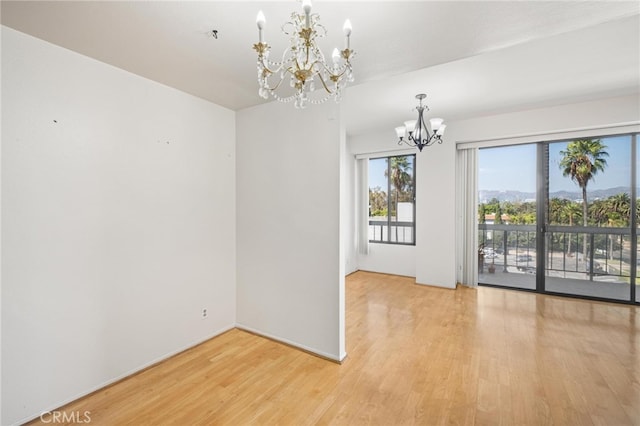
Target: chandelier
415, 133
303, 63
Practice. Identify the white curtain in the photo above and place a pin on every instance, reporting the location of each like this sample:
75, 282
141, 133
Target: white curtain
467, 221
362, 205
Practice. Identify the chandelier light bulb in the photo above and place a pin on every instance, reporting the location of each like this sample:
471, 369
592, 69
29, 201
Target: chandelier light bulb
306, 6
260, 20
346, 29
410, 125
436, 123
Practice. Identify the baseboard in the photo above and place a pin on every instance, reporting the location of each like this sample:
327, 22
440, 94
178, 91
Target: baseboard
448, 287
296, 345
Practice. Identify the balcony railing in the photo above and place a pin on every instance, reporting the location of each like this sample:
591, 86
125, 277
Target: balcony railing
394, 232
585, 253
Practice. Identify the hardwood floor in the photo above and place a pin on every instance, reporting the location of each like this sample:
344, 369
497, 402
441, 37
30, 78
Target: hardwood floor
416, 355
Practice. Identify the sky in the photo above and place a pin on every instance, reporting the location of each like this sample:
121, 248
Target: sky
514, 167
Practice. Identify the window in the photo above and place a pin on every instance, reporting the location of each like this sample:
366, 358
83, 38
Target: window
392, 184
561, 216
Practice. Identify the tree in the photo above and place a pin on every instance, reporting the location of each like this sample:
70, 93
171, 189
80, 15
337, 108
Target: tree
377, 202
401, 179
620, 207
570, 211
482, 211
581, 161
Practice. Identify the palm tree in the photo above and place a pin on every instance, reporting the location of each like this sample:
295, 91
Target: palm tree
620, 215
581, 161
620, 205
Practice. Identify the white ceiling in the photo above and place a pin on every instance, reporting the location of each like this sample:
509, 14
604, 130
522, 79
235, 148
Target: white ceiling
471, 58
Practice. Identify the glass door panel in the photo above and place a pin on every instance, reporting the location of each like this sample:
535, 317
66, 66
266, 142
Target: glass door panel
588, 237
507, 216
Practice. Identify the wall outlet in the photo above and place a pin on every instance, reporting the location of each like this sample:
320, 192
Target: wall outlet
204, 313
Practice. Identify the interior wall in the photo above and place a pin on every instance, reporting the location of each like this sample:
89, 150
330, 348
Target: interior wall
348, 229
118, 224
289, 266
434, 255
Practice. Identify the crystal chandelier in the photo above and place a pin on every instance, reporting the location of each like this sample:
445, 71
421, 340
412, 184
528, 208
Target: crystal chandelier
415, 133
303, 63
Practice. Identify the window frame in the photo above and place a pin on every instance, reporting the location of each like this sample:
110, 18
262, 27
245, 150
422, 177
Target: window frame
389, 222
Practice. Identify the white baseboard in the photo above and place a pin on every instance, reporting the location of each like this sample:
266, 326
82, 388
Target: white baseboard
332, 357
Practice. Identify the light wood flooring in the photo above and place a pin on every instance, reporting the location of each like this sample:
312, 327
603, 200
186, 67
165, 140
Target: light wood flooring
416, 355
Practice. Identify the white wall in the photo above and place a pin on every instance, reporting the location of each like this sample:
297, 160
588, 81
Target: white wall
348, 190
389, 259
434, 257
288, 258
118, 222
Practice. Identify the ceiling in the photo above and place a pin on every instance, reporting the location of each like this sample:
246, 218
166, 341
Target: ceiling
471, 58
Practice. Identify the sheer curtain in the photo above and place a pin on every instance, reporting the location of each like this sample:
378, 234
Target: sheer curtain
467, 220
362, 205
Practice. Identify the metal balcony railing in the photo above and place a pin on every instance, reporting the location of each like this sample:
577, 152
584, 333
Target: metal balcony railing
394, 232
593, 253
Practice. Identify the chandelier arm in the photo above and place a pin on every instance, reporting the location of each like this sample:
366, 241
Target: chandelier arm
324, 83
335, 76
274, 88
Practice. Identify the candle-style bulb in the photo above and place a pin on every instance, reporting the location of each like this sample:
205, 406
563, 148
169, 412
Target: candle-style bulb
347, 34
260, 20
306, 6
346, 28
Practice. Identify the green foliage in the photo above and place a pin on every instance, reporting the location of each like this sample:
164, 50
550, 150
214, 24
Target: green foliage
614, 211
382, 213
583, 159
377, 202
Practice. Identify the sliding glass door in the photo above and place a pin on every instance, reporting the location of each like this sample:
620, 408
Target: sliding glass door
561, 217
507, 216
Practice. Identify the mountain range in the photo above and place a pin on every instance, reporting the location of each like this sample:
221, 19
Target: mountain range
514, 196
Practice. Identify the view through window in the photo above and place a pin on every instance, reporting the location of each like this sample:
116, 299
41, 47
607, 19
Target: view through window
583, 236
392, 200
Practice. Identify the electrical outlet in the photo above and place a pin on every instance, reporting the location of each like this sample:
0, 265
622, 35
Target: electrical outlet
204, 313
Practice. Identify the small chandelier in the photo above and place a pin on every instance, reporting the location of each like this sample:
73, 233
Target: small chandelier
415, 133
303, 62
